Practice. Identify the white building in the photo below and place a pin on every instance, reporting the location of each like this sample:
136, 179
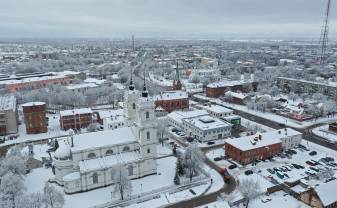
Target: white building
175, 118
206, 128
218, 111
289, 137
112, 119
8, 115
86, 161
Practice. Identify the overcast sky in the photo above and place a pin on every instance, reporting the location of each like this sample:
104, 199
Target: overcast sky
163, 18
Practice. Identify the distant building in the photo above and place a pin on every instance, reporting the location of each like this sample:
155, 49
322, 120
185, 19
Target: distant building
35, 117
32, 83
175, 118
76, 118
218, 89
172, 100
304, 86
81, 87
261, 145
8, 116
111, 119
218, 111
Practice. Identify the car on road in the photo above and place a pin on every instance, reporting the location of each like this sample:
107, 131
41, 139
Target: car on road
232, 166
217, 158
248, 172
210, 143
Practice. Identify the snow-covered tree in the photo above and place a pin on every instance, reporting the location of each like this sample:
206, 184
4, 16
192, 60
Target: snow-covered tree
329, 107
193, 159
122, 186
162, 125
52, 198
180, 166
249, 189
176, 179
11, 189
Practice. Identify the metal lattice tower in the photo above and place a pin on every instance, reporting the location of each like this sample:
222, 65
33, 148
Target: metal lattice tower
324, 35
133, 42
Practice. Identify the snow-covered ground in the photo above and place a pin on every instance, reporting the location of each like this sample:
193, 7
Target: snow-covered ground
323, 131
53, 131
160, 80
274, 117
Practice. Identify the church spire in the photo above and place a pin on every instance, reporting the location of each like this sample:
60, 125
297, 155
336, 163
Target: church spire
145, 93
176, 82
131, 85
177, 77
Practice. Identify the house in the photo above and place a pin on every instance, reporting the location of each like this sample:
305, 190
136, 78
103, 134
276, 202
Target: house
172, 100
76, 118
8, 115
35, 117
218, 111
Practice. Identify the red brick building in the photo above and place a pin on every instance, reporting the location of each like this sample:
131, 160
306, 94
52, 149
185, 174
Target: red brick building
247, 149
35, 117
172, 100
218, 89
76, 118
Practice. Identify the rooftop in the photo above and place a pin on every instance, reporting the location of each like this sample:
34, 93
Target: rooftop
229, 83
180, 115
103, 138
267, 138
31, 79
325, 83
33, 104
172, 95
108, 161
327, 192
75, 112
207, 122
218, 109
79, 86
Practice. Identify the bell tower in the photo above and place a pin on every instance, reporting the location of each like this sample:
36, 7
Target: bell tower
176, 82
131, 97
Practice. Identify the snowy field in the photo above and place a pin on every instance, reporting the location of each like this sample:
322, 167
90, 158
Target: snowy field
323, 131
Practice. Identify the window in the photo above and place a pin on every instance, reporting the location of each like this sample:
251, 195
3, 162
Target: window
94, 178
148, 135
109, 152
147, 115
126, 148
148, 151
91, 155
133, 106
130, 170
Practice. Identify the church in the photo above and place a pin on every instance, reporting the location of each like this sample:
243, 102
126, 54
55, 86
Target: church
86, 161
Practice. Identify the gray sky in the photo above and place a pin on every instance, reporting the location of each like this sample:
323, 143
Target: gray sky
163, 18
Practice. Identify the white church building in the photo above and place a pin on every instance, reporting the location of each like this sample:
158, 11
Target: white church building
86, 161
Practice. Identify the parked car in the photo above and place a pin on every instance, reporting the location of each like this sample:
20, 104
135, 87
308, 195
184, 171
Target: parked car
280, 175
312, 153
210, 143
314, 169
217, 159
271, 171
232, 166
248, 172
310, 163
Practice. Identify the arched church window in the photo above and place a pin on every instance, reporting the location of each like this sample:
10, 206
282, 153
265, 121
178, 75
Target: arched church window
91, 155
126, 148
147, 115
109, 152
148, 135
133, 105
148, 151
130, 170
94, 178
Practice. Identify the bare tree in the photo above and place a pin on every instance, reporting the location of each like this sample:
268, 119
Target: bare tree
249, 189
123, 186
162, 125
193, 159
52, 198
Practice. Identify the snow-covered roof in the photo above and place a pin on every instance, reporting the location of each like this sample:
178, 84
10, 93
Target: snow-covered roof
95, 81
103, 138
207, 122
327, 83
218, 109
72, 176
79, 86
63, 151
31, 79
236, 95
110, 113
7, 103
75, 112
108, 161
172, 95
33, 104
229, 83
178, 116
327, 192
267, 138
